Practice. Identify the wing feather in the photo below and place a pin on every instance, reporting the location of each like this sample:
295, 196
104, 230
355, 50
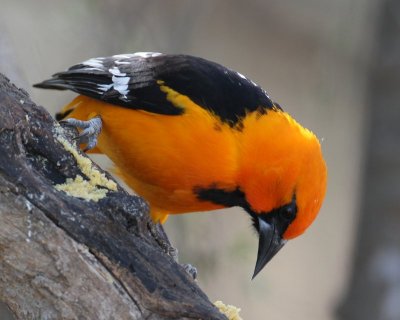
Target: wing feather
133, 81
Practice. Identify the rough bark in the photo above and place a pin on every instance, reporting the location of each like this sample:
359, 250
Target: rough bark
64, 257
374, 286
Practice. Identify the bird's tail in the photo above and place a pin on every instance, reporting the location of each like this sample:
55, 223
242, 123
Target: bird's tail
58, 84
55, 82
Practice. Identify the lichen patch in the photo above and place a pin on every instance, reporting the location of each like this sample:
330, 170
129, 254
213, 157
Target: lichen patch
231, 312
79, 187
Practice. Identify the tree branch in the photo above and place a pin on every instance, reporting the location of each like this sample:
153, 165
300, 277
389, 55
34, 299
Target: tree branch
66, 257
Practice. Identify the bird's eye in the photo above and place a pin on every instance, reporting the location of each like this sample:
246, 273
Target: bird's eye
288, 212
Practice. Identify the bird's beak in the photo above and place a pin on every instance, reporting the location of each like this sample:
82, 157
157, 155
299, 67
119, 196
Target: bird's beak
270, 242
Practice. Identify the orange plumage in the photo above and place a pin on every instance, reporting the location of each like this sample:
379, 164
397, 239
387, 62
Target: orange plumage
200, 158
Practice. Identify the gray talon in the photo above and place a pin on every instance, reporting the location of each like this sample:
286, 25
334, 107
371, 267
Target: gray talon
92, 129
191, 270
92, 142
161, 238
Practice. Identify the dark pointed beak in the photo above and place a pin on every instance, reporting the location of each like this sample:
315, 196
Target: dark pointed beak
270, 242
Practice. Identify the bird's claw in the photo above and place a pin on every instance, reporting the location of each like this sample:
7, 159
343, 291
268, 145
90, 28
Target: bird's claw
161, 238
91, 130
192, 271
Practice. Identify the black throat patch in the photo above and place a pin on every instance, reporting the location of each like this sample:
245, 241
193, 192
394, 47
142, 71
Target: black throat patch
282, 216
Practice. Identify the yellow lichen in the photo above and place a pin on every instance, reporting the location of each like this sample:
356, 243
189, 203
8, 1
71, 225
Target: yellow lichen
79, 187
231, 312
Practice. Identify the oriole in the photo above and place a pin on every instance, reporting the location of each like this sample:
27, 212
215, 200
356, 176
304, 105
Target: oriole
189, 134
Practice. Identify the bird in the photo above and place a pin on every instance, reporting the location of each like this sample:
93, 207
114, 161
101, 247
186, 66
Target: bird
189, 135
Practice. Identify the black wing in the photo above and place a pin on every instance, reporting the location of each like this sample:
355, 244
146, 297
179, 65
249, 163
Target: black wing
132, 81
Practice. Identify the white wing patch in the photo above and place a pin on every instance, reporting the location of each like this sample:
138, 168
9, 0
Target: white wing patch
116, 72
119, 82
147, 54
240, 75
136, 54
104, 87
94, 63
118, 62
119, 79
123, 56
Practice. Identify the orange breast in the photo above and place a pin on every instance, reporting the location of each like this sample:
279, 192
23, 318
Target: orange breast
164, 157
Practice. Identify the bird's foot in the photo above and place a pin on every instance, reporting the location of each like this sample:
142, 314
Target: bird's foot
91, 130
161, 238
192, 271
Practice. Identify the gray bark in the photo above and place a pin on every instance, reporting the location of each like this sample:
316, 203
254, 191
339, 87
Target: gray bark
374, 287
63, 257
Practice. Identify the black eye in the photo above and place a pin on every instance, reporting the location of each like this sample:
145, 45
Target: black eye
288, 212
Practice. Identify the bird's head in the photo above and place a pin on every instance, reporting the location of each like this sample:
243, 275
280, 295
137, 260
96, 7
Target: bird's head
282, 178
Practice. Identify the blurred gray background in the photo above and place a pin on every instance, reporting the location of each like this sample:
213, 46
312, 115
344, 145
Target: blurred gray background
332, 64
